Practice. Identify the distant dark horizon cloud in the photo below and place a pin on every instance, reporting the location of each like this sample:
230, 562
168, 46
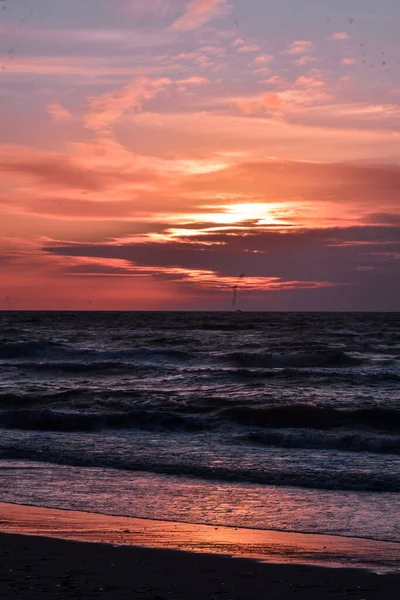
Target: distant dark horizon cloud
345, 268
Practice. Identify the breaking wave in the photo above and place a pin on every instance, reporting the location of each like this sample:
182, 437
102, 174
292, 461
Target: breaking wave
311, 478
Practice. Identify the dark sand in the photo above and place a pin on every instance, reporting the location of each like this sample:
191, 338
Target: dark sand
33, 567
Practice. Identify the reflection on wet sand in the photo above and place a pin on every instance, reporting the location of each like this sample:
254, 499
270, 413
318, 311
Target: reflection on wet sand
271, 546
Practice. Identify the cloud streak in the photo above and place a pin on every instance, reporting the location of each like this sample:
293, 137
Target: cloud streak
106, 109
199, 12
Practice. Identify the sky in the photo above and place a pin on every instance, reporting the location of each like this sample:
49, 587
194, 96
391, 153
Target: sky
177, 154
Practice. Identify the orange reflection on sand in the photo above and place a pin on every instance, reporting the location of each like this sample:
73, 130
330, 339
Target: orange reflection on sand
274, 546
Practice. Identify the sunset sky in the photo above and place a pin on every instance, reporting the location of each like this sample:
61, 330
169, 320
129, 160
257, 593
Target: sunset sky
152, 151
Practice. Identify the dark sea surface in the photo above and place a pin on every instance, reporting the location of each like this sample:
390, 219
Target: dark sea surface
269, 420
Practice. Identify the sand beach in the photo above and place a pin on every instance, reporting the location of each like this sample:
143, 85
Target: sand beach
47, 553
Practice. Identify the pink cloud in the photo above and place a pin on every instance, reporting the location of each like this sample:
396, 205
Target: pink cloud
276, 80
339, 36
253, 48
199, 12
299, 47
85, 68
261, 72
104, 110
194, 81
212, 50
305, 93
304, 60
204, 62
58, 112
267, 102
264, 59
238, 42
310, 82
348, 61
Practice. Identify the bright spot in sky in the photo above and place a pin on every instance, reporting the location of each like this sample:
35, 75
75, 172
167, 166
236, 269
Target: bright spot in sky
261, 212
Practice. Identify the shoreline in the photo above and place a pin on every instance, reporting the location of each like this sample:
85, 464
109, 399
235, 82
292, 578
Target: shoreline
195, 523
268, 546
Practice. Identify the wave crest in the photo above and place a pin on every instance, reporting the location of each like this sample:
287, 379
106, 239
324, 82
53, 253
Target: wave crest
312, 478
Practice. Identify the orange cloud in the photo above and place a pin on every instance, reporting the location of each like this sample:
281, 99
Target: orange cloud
160, 252
48, 167
344, 183
301, 135
199, 12
267, 102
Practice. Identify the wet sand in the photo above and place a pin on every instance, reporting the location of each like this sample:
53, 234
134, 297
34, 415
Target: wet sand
135, 558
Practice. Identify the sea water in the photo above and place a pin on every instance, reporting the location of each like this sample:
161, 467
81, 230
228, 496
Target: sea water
266, 420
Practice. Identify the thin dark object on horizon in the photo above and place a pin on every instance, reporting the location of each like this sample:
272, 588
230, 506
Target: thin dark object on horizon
235, 289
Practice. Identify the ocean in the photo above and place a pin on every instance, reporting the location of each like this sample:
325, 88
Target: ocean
287, 421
